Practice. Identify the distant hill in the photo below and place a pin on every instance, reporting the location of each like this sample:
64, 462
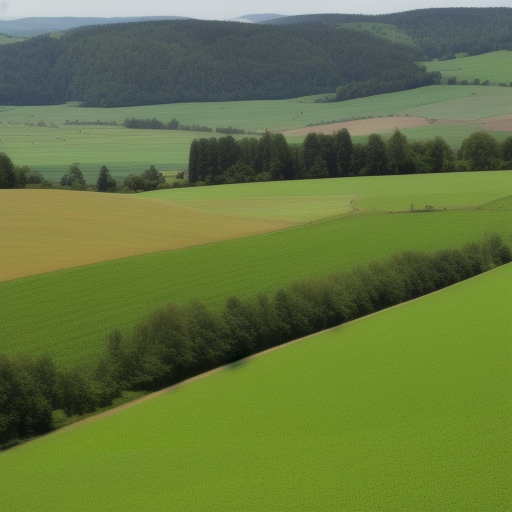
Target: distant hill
190, 60
258, 18
440, 32
25, 27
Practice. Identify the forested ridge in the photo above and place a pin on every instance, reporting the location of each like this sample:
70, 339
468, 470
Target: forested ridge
188, 60
438, 32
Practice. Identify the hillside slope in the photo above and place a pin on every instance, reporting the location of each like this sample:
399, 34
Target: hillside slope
439, 32
184, 61
394, 412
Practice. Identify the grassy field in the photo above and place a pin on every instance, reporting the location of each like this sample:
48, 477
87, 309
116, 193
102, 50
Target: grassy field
394, 412
47, 230
495, 67
52, 150
72, 311
117, 293
306, 200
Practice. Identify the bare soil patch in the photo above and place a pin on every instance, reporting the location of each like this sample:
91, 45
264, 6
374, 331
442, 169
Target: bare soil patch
388, 124
362, 126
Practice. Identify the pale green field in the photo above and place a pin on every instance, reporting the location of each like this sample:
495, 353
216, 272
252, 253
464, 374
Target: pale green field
72, 311
405, 410
53, 150
306, 200
495, 67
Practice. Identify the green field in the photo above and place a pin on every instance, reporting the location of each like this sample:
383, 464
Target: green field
72, 311
495, 67
394, 412
306, 200
53, 150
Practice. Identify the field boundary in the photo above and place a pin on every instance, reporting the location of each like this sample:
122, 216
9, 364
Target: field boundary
228, 366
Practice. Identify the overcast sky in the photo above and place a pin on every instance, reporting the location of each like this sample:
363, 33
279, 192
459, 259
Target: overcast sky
220, 10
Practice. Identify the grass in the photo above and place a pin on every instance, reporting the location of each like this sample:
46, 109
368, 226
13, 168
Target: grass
47, 230
71, 311
495, 67
394, 412
53, 150
382, 30
307, 200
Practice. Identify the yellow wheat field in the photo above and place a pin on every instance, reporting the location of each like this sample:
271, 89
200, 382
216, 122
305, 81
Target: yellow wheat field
47, 230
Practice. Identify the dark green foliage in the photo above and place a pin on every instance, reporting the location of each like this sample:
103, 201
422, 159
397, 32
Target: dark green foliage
482, 151
181, 61
217, 161
177, 342
150, 179
439, 32
397, 79
25, 397
73, 178
7, 172
376, 161
398, 154
105, 182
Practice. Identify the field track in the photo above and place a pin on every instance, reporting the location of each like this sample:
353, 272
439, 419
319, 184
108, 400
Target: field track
388, 124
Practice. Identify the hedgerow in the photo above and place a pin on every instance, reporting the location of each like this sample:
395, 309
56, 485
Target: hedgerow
179, 341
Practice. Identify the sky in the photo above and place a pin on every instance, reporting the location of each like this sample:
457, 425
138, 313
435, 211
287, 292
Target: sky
219, 10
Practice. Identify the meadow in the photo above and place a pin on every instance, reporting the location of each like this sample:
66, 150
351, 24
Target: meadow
495, 67
393, 412
52, 150
72, 311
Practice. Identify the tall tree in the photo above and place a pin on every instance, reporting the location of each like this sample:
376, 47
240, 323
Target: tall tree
7, 172
482, 151
343, 147
398, 153
105, 182
376, 161
73, 178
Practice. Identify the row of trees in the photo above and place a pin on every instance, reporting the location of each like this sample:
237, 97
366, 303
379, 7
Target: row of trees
12, 176
155, 124
177, 342
224, 160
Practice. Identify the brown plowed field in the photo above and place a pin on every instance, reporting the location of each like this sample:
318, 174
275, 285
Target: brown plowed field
388, 124
47, 230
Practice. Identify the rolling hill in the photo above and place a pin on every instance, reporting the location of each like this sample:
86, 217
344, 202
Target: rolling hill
394, 412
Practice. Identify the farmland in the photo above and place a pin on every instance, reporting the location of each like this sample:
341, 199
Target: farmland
393, 409
73, 310
89, 228
495, 67
52, 150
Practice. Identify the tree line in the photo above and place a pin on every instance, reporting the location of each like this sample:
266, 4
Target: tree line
180, 341
225, 160
14, 176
